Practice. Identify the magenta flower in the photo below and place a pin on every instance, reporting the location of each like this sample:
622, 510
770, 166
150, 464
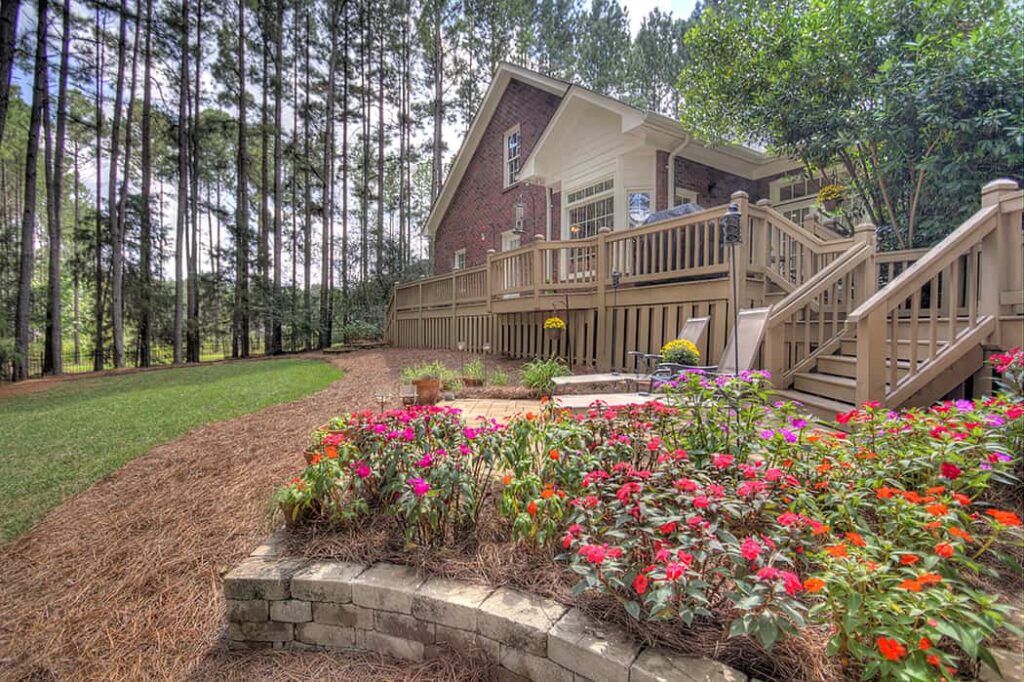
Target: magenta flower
419, 486
425, 461
750, 549
362, 470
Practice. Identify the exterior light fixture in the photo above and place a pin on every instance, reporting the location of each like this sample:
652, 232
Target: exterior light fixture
732, 234
520, 208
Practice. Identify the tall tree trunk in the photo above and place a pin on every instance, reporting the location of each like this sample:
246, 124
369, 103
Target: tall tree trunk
192, 339
26, 264
146, 222
52, 360
8, 34
240, 346
379, 250
364, 180
328, 185
345, 83
438, 107
98, 359
122, 212
263, 247
76, 277
275, 307
307, 227
116, 236
184, 90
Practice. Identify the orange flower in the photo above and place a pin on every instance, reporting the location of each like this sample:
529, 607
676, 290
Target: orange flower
531, 508
1004, 517
909, 559
554, 455
506, 479
890, 648
912, 497
962, 499
944, 550
930, 579
547, 493
530, 416
814, 584
932, 525
933, 660
332, 451
315, 459
925, 644
820, 530
544, 399
910, 585
885, 492
856, 538
936, 509
962, 534
837, 551
936, 490
824, 468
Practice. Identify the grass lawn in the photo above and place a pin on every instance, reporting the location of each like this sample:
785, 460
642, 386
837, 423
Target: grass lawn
55, 443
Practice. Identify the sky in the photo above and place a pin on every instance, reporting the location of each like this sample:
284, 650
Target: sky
638, 9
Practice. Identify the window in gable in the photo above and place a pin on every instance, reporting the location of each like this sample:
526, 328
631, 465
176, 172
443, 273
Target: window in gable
513, 155
460, 260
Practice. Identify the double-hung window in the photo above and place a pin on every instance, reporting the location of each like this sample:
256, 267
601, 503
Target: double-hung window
460, 260
513, 155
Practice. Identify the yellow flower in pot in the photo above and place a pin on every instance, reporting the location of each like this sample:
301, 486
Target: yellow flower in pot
553, 327
681, 352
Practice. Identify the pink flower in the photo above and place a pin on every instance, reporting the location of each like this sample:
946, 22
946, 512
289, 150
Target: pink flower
686, 485
773, 475
722, 461
362, 470
750, 549
788, 519
425, 461
768, 573
791, 581
419, 486
701, 502
674, 571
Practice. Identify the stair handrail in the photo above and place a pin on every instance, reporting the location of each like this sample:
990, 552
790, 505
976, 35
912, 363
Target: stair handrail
982, 239
784, 365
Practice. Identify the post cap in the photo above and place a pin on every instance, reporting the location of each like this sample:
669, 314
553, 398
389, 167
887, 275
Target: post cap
1000, 185
865, 227
539, 238
490, 251
764, 202
738, 195
604, 230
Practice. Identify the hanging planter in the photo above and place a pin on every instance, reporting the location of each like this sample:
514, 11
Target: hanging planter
831, 196
553, 328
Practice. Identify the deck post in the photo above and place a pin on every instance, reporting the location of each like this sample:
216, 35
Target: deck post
419, 314
491, 324
999, 251
743, 249
602, 274
871, 355
866, 275
537, 266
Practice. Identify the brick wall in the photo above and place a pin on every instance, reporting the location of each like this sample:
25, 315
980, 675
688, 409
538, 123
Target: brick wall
713, 186
481, 204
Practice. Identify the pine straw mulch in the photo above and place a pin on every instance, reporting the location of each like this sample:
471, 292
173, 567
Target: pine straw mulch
491, 559
123, 581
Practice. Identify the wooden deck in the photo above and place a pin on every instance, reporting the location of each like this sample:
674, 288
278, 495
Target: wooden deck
847, 323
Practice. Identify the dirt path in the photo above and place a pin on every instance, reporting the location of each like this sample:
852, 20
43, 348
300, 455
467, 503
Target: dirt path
123, 580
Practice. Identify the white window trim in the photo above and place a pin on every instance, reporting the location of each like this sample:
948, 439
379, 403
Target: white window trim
509, 236
506, 159
683, 196
455, 260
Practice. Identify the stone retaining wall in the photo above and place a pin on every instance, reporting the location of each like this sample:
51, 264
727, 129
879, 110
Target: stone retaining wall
274, 601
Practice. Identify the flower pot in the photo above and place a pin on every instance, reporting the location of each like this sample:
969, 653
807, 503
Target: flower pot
291, 518
308, 454
552, 334
428, 391
831, 205
466, 381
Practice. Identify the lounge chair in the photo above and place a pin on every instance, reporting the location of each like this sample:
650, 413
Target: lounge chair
743, 345
695, 330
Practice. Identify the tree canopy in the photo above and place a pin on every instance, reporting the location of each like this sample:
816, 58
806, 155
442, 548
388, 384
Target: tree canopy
916, 103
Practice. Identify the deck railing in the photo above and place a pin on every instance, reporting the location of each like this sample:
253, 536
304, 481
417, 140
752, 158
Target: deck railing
945, 304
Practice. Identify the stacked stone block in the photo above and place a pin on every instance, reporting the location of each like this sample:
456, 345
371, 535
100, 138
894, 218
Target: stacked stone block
287, 603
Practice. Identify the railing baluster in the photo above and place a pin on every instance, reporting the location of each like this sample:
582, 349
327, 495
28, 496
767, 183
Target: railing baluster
953, 293
933, 318
915, 312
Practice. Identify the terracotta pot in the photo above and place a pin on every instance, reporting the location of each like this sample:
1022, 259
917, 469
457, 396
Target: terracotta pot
466, 381
428, 391
831, 205
308, 454
552, 334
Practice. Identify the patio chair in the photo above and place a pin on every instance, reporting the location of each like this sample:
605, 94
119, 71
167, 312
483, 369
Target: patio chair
744, 342
695, 330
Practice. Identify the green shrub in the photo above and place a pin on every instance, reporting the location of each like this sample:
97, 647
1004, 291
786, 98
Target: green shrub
435, 369
538, 375
474, 369
359, 329
498, 378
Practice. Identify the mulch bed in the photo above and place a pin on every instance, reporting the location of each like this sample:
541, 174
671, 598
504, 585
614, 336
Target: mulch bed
123, 580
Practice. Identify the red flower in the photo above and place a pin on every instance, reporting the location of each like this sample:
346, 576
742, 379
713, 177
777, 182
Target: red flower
891, 649
701, 502
531, 508
640, 583
944, 550
950, 471
856, 538
1004, 517
936, 509
925, 644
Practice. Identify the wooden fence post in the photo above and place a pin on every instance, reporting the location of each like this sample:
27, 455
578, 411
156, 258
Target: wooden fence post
1000, 252
537, 267
866, 275
603, 273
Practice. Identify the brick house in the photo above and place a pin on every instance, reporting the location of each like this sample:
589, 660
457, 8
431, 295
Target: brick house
547, 157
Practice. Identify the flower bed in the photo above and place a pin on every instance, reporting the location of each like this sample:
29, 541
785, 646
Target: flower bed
718, 510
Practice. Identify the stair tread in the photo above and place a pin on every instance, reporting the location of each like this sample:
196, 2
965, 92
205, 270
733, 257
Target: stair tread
852, 360
825, 404
827, 378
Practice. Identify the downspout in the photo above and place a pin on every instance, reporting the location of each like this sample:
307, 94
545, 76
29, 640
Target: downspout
672, 169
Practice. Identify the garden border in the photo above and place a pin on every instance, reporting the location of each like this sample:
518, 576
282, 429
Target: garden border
274, 601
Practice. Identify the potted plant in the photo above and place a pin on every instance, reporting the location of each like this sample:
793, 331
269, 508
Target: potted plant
427, 380
831, 195
294, 502
680, 352
473, 373
553, 328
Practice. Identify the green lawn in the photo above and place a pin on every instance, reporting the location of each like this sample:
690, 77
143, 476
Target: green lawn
57, 442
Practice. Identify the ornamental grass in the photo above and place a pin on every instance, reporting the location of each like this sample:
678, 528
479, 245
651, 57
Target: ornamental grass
716, 520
